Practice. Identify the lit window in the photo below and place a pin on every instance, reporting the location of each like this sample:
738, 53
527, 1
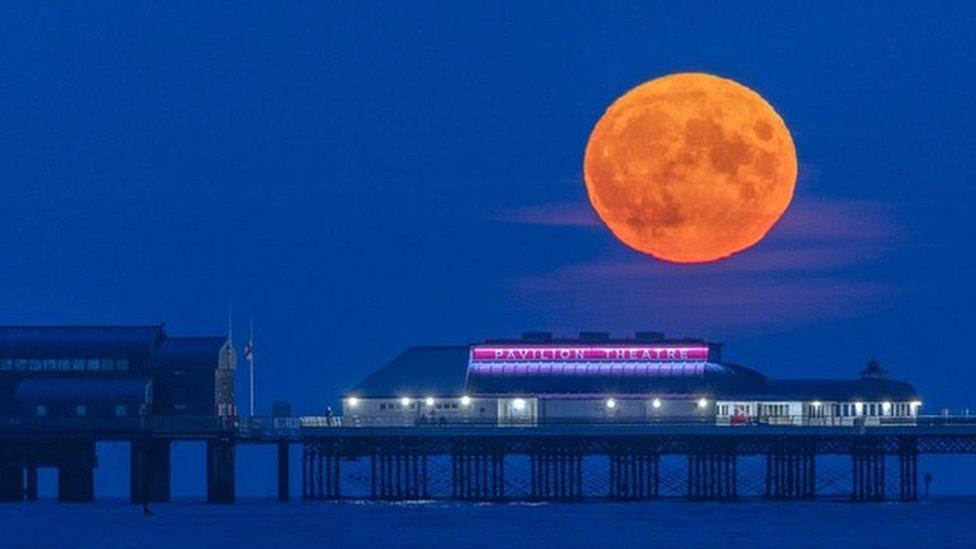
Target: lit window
20, 364
50, 364
36, 364
78, 364
81, 410
6, 365
41, 410
121, 410
94, 364
64, 364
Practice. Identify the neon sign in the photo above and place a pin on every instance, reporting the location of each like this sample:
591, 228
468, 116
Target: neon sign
629, 353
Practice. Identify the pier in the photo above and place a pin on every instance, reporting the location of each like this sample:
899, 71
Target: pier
463, 462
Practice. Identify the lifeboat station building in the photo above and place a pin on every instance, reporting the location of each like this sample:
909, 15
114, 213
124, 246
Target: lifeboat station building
595, 378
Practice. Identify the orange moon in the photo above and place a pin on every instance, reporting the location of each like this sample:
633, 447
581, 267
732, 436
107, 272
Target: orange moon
690, 168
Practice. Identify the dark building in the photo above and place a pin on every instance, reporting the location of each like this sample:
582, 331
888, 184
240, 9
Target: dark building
648, 377
113, 371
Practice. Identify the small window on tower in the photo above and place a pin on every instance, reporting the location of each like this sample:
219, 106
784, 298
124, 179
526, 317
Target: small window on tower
81, 410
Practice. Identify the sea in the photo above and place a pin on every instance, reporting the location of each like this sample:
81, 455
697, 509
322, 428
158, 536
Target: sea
937, 522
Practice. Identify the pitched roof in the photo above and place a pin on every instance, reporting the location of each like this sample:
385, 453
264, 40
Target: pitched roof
418, 371
841, 389
83, 341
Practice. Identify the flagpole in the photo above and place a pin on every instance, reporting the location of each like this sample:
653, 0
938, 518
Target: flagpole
251, 367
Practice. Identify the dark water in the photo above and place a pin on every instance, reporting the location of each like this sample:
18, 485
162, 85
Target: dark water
251, 523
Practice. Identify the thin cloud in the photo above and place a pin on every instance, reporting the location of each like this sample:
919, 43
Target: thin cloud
800, 273
563, 214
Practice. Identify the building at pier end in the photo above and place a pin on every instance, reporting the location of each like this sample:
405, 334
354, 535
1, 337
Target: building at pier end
595, 378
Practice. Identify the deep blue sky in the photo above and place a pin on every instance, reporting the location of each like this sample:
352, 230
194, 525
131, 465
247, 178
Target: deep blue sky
360, 177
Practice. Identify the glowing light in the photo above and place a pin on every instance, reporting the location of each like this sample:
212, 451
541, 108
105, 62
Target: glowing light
429, 401
702, 403
656, 403
916, 404
405, 401
653, 160
815, 404
858, 408
886, 407
518, 405
465, 400
611, 403
352, 402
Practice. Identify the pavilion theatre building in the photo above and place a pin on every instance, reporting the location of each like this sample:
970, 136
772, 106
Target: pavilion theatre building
595, 378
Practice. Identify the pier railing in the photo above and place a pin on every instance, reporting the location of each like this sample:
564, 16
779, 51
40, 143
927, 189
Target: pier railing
269, 428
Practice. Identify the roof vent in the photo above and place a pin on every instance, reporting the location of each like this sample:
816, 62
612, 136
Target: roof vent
650, 337
594, 336
874, 371
537, 336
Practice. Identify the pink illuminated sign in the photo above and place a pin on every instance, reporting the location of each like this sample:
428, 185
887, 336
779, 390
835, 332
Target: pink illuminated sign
654, 353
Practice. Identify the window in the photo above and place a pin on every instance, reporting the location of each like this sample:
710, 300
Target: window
50, 364
122, 364
121, 410
36, 364
21, 364
64, 364
81, 410
41, 410
6, 365
94, 364
108, 364
78, 364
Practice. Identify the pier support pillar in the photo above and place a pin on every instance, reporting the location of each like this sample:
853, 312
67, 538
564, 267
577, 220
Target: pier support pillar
149, 471
557, 474
712, 476
11, 483
908, 470
320, 471
478, 476
220, 471
634, 476
31, 490
868, 473
76, 473
791, 476
398, 475
283, 470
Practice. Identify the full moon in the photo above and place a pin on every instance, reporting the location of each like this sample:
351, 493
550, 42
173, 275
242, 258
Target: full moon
690, 168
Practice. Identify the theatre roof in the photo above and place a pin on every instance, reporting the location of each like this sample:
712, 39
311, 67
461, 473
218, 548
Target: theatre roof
79, 341
447, 370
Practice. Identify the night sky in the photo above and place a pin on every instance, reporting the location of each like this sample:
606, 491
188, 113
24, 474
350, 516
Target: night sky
361, 177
